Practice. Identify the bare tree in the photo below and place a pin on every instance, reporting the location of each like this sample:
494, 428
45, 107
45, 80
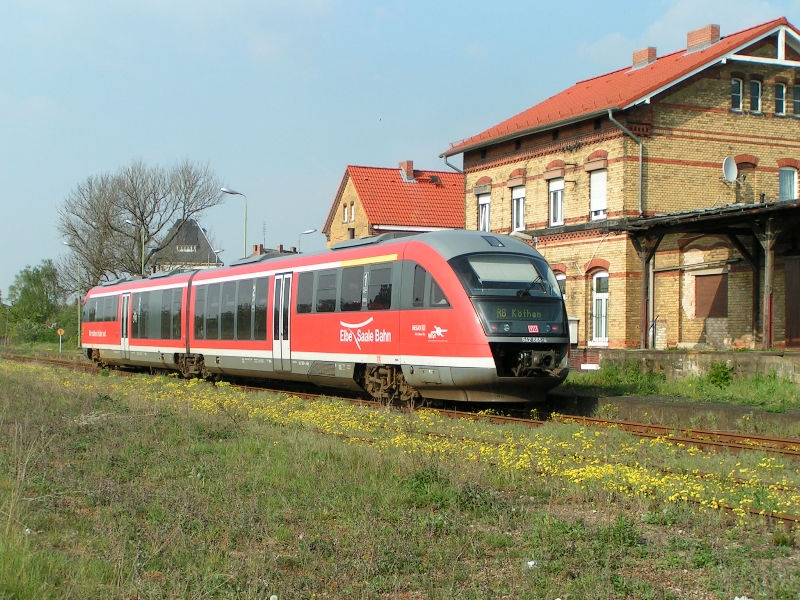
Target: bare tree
115, 223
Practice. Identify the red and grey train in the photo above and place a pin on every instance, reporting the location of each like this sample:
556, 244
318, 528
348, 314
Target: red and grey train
447, 315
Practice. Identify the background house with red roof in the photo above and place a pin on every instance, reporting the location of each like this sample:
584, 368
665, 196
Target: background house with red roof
618, 182
374, 200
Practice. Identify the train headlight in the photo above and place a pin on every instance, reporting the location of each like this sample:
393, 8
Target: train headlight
506, 327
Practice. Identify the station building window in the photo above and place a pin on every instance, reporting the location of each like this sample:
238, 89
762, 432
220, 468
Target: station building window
599, 309
484, 202
556, 193
736, 94
517, 208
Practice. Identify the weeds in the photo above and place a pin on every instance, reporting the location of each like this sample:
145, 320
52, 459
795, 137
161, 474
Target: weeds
185, 503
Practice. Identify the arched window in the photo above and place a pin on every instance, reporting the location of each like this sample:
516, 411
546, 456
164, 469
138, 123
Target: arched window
787, 184
483, 211
344, 215
600, 308
556, 190
352, 212
518, 208
561, 278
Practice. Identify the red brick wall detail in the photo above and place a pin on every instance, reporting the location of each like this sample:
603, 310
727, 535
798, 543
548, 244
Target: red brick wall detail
555, 164
518, 173
559, 268
789, 162
746, 159
596, 155
483, 180
596, 264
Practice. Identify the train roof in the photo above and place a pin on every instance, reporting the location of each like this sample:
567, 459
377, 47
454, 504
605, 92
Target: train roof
447, 243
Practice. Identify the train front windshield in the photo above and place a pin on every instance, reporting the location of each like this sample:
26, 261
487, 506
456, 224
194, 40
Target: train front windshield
511, 275
514, 295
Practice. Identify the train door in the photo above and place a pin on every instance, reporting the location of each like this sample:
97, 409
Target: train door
124, 329
281, 353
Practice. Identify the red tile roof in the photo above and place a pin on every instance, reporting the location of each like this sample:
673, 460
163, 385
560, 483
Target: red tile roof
389, 200
618, 89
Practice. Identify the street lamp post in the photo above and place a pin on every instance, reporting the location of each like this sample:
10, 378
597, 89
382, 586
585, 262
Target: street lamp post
132, 224
235, 193
77, 300
306, 232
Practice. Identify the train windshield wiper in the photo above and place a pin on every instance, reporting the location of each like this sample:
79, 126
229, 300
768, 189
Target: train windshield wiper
529, 287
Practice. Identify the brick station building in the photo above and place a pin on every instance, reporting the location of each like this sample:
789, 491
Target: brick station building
618, 181
375, 200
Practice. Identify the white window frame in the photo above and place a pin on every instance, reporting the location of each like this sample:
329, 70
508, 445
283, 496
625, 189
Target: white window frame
559, 278
599, 320
555, 192
756, 97
344, 218
780, 97
518, 208
598, 194
484, 212
736, 98
790, 174
796, 100
352, 212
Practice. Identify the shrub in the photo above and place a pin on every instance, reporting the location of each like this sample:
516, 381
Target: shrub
720, 374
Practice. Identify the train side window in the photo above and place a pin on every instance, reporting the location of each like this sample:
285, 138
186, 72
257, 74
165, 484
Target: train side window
134, 327
244, 310
200, 312
276, 309
419, 286
144, 314
177, 298
109, 314
154, 316
379, 290
352, 287
260, 316
326, 291
227, 317
90, 310
305, 292
437, 299
166, 314
212, 312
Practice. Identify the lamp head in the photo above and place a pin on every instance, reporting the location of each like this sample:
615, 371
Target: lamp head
230, 191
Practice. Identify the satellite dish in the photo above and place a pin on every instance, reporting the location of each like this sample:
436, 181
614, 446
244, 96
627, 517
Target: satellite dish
729, 169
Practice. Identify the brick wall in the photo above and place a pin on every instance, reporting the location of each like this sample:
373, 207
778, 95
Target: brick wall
687, 132
339, 229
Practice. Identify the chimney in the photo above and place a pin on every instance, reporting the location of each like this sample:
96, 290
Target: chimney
407, 170
702, 38
644, 57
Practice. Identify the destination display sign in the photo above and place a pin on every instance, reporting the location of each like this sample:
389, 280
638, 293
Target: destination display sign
537, 316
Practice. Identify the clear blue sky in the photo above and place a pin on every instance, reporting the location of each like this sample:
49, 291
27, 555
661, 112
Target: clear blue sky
279, 96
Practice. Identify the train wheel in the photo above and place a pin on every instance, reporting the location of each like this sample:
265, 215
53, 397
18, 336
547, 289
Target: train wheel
387, 384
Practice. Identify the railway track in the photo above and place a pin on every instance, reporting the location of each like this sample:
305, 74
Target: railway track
716, 440
704, 439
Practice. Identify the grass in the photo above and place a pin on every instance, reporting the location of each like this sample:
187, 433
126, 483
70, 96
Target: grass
768, 392
142, 487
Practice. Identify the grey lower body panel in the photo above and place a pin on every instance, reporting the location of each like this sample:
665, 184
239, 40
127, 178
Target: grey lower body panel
471, 384
138, 358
